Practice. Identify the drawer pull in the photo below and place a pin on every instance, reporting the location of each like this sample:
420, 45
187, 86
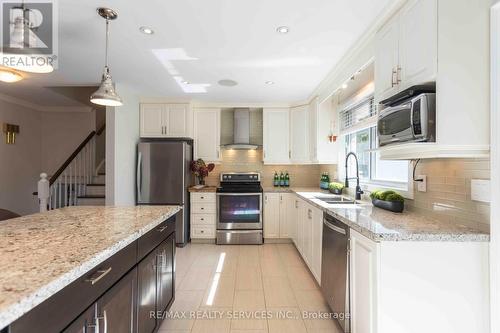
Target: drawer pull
103, 273
202, 208
162, 229
202, 197
202, 219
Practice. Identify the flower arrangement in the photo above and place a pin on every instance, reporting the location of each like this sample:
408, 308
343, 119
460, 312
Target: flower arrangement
201, 170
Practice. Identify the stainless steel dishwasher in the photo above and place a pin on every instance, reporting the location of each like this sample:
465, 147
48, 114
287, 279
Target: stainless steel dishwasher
335, 269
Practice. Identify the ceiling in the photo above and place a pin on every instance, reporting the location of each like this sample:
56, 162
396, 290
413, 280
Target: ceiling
203, 42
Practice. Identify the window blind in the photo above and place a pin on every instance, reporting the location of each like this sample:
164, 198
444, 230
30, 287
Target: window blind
356, 113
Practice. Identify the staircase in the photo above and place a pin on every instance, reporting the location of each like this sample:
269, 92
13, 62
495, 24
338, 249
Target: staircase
78, 182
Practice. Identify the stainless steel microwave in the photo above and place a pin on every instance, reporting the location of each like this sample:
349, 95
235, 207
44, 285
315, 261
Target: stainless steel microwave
413, 120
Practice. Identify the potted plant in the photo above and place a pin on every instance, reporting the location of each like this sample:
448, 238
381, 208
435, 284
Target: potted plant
388, 200
201, 170
335, 188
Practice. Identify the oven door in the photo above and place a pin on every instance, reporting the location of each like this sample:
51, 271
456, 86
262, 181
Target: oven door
239, 211
395, 124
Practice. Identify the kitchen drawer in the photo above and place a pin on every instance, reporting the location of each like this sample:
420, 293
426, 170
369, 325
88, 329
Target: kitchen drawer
198, 231
203, 208
203, 219
203, 197
154, 237
62, 308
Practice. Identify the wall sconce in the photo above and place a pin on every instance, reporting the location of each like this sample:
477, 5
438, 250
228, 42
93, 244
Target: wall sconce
10, 133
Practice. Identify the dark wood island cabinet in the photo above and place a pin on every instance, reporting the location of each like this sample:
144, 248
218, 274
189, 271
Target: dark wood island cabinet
127, 293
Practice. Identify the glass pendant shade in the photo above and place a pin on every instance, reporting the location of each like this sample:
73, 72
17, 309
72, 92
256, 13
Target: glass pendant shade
106, 94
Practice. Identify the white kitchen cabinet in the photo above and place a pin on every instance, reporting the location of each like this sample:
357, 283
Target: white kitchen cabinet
206, 132
323, 123
387, 59
165, 120
317, 241
299, 134
271, 215
406, 49
278, 215
418, 43
307, 234
276, 136
301, 220
363, 281
203, 216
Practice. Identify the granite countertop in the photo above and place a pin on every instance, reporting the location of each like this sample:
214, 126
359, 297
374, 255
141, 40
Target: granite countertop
203, 189
381, 225
40, 254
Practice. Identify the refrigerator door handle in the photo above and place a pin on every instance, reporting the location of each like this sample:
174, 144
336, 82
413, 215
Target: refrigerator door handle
139, 176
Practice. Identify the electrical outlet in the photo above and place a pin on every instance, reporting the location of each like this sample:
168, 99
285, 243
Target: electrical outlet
422, 186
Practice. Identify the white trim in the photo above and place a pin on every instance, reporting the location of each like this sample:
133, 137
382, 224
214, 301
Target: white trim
410, 151
495, 171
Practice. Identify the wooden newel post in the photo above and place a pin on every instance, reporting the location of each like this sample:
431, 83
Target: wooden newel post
43, 192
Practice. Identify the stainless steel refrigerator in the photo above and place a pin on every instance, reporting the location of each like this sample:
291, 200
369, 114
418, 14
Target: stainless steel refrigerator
163, 178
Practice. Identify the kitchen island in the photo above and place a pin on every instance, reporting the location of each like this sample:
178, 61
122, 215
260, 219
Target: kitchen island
57, 264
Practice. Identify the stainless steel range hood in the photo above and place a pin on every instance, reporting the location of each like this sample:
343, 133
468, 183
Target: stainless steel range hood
241, 136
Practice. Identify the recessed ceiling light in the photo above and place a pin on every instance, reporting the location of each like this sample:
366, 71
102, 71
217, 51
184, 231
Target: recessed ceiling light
227, 83
185, 82
283, 29
146, 30
344, 86
9, 76
270, 82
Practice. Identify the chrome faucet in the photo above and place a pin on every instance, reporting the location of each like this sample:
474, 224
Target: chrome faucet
358, 188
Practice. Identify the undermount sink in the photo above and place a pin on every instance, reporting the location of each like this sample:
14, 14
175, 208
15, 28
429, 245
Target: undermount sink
336, 200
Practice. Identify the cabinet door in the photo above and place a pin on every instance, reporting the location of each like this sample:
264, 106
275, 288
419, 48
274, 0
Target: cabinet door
301, 220
317, 241
146, 300
294, 217
299, 134
286, 204
207, 134
418, 43
386, 60
117, 307
85, 323
276, 131
307, 231
165, 269
363, 281
176, 120
151, 120
271, 215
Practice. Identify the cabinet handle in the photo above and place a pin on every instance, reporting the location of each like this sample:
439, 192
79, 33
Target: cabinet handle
105, 322
398, 76
309, 214
202, 219
202, 197
102, 274
394, 82
162, 229
289, 154
296, 204
264, 153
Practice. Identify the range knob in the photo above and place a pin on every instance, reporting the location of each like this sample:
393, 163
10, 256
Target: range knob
229, 177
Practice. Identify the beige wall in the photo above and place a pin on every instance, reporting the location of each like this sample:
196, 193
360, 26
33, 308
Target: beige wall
251, 160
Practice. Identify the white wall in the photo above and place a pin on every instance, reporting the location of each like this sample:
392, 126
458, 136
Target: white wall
122, 136
62, 133
20, 163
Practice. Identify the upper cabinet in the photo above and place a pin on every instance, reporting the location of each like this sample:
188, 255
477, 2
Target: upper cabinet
165, 120
323, 131
276, 136
406, 49
206, 133
299, 134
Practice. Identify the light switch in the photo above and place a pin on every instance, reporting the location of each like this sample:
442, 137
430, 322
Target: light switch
480, 190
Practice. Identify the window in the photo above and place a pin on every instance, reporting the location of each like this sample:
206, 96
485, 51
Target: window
360, 137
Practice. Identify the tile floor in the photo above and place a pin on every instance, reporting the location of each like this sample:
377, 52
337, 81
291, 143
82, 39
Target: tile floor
245, 289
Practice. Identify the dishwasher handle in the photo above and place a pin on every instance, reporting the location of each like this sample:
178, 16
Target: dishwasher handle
334, 228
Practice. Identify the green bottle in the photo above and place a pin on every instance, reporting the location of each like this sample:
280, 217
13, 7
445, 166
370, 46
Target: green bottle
287, 179
282, 179
276, 182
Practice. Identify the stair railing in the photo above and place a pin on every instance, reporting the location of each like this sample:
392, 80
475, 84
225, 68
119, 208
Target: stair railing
71, 179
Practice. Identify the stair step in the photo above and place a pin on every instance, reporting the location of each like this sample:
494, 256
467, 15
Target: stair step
96, 189
91, 200
100, 179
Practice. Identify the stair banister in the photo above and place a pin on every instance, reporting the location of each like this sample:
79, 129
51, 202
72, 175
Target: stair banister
43, 192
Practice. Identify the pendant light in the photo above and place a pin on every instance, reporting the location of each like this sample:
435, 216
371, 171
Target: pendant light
106, 94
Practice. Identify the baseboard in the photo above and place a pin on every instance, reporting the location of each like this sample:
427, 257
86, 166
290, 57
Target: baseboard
277, 240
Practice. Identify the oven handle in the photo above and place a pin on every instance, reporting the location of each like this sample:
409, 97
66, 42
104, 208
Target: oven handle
238, 194
392, 109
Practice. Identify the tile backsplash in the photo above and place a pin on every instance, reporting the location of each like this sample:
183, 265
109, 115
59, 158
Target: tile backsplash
251, 160
448, 193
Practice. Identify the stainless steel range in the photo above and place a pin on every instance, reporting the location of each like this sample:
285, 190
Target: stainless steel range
239, 209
